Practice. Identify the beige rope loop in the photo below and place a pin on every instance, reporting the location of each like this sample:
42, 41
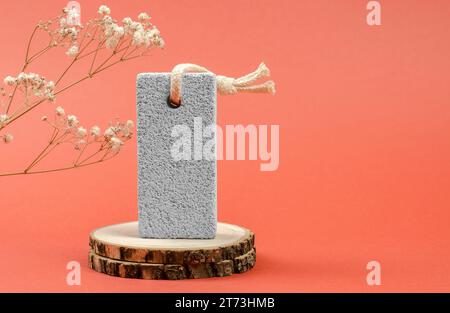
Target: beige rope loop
225, 85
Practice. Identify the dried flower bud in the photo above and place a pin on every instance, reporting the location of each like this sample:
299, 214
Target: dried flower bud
62, 22
130, 124
60, 111
81, 132
7, 138
127, 21
109, 132
95, 131
116, 143
3, 118
9, 80
73, 51
143, 17
79, 143
104, 10
72, 120
50, 85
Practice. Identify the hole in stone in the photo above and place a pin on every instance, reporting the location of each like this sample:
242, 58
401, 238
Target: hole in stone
172, 104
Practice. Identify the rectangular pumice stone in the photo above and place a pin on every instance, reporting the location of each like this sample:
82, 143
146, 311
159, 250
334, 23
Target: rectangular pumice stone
177, 194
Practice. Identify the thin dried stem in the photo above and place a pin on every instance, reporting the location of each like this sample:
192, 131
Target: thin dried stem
36, 55
65, 71
40, 154
56, 169
29, 44
10, 100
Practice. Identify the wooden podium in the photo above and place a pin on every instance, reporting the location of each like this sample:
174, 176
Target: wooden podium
117, 250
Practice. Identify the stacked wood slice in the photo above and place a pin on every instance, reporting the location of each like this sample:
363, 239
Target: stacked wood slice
118, 250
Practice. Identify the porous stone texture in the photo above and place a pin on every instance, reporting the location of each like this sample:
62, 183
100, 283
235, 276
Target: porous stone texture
176, 199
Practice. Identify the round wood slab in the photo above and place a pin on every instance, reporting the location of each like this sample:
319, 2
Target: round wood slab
118, 250
122, 242
126, 269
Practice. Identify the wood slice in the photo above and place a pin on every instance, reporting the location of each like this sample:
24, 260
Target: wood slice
122, 242
138, 270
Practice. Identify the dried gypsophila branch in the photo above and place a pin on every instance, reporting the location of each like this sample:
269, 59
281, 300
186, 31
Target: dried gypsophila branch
68, 130
125, 41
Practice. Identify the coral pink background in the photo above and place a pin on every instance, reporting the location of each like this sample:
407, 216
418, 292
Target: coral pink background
364, 116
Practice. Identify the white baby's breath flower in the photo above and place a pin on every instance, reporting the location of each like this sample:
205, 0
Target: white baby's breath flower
155, 37
74, 33
104, 10
161, 42
3, 119
62, 22
60, 111
22, 76
143, 16
72, 120
138, 38
126, 132
71, 32
113, 33
50, 85
119, 30
7, 138
107, 20
116, 143
9, 80
109, 32
154, 32
73, 51
138, 26
109, 132
111, 43
81, 132
127, 21
36, 92
79, 143
95, 131
50, 96
130, 124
